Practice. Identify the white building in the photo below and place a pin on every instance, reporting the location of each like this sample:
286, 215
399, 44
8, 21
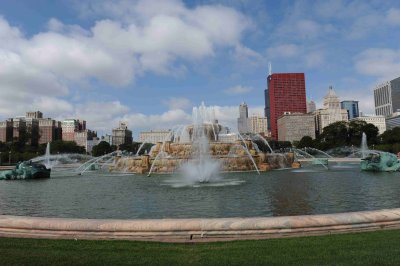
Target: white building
228, 137
154, 136
331, 113
311, 106
295, 126
377, 120
257, 124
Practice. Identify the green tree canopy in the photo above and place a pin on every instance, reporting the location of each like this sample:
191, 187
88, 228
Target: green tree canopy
60, 146
305, 141
102, 148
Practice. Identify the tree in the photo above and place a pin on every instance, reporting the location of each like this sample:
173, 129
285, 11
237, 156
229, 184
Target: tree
133, 147
356, 128
60, 146
305, 141
372, 133
102, 148
334, 135
391, 136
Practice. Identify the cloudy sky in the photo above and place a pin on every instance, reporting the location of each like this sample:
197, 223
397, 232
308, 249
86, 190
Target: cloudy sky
149, 62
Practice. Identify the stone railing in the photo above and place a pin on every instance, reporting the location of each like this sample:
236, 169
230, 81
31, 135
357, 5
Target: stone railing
182, 230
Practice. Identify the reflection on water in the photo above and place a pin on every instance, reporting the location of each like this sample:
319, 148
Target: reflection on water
286, 192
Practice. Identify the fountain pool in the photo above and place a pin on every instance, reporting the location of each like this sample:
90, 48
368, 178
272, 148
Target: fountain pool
312, 190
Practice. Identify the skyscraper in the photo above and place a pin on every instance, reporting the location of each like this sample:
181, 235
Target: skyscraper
286, 92
351, 107
387, 97
243, 117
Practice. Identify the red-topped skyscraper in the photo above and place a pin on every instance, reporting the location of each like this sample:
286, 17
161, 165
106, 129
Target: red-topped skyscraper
286, 92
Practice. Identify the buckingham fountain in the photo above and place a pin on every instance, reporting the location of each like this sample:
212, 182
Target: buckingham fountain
227, 193
198, 150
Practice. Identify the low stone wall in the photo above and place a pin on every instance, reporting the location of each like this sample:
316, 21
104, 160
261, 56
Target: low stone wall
183, 230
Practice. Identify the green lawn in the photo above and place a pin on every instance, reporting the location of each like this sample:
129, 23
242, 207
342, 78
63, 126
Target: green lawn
373, 248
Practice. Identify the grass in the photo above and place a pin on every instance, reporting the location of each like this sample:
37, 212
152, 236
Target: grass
372, 248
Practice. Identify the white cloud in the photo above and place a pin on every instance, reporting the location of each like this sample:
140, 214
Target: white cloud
246, 56
167, 120
239, 89
382, 63
174, 103
284, 50
393, 16
136, 38
314, 59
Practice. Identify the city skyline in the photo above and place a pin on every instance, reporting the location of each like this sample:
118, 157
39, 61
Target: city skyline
128, 61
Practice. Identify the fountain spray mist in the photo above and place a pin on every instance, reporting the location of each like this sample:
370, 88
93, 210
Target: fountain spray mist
201, 167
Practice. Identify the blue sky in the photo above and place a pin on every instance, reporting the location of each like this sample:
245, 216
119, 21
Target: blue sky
149, 62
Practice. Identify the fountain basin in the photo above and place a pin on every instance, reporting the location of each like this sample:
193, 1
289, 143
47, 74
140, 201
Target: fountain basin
176, 230
177, 154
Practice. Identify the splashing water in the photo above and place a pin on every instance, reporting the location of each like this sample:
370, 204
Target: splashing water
364, 145
201, 167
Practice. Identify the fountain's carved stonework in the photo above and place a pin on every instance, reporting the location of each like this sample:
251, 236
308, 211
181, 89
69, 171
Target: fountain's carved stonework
232, 157
197, 149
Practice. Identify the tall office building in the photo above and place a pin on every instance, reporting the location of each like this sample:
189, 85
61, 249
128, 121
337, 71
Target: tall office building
387, 97
6, 130
121, 135
351, 107
49, 130
257, 125
69, 127
294, 126
286, 92
243, 117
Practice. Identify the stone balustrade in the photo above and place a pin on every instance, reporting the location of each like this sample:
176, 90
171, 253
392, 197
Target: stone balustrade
201, 229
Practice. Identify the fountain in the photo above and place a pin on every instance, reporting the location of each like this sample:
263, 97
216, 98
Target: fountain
364, 146
198, 150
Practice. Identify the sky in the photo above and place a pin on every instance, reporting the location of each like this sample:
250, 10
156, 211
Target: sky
148, 62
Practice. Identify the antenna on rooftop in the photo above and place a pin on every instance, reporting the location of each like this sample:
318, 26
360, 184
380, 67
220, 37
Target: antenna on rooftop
269, 69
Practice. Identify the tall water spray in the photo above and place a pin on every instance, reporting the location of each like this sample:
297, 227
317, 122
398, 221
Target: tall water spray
201, 167
47, 162
364, 145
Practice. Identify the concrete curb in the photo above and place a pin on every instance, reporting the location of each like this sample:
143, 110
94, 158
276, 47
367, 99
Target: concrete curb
198, 230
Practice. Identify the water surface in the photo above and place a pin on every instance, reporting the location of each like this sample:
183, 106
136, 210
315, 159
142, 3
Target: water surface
283, 192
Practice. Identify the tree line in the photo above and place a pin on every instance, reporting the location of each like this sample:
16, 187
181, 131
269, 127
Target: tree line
344, 133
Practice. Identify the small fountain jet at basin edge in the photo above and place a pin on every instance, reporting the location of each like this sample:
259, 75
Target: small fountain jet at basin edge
364, 145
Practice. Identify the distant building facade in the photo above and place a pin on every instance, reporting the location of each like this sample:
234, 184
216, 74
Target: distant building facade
387, 97
379, 121
243, 118
6, 131
393, 121
154, 136
331, 113
19, 127
294, 126
257, 124
311, 107
121, 135
286, 92
70, 127
84, 138
351, 107
49, 130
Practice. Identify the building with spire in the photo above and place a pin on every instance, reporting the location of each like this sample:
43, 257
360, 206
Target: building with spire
331, 112
286, 92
